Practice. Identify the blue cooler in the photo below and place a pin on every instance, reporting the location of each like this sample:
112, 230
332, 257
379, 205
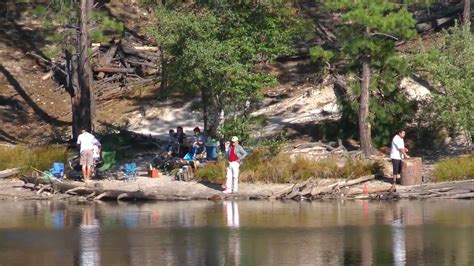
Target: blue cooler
211, 151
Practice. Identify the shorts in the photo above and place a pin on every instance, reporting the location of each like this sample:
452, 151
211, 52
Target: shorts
87, 157
397, 166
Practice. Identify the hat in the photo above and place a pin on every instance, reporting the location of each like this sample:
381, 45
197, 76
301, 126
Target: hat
234, 138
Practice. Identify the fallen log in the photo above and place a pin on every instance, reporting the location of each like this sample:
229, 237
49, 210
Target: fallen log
114, 70
283, 192
426, 26
9, 172
323, 190
357, 181
103, 194
462, 196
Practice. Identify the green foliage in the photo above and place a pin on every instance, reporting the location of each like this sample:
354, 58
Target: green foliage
274, 145
60, 18
239, 127
459, 168
39, 158
213, 50
368, 33
107, 27
450, 65
319, 53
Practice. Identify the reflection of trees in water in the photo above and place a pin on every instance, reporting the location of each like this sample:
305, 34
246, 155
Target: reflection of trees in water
258, 233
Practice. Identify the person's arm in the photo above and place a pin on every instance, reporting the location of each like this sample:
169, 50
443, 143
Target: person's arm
401, 148
78, 143
404, 152
242, 153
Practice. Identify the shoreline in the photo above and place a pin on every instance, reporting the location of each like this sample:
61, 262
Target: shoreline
165, 188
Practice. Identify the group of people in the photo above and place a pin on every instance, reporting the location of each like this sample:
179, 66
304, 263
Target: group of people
178, 145
234, 153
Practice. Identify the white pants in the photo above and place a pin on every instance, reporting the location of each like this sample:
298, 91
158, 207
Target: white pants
232, 177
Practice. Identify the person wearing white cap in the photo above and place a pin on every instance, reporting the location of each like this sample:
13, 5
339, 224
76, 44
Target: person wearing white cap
235, 153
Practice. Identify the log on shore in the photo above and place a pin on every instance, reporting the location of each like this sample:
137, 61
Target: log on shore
94, 193
9, 172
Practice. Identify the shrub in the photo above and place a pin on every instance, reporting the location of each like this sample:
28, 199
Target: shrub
213, 172
454, 169
262, 166
284, 169
40, 158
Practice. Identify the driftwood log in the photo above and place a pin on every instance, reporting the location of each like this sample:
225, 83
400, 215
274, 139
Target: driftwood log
310, 189
9, 172
95, 193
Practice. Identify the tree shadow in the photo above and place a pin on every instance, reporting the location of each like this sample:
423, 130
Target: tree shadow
40, 112
14, 35
5, 137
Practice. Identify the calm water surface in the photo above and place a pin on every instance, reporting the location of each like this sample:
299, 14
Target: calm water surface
238, 233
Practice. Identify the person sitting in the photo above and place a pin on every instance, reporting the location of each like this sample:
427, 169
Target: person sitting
171, 146
198, 142
181, 139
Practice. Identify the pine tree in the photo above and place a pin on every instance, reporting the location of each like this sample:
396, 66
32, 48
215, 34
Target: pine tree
367, 36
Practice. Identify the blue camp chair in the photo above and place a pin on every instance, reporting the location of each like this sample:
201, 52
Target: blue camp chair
130, 170
58, 170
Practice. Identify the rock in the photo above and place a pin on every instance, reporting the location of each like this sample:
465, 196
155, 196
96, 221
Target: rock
414, 90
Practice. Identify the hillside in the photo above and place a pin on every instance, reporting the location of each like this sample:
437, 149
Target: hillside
34, 109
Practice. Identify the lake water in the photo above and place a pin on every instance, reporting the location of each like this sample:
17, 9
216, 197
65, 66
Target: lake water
238, 233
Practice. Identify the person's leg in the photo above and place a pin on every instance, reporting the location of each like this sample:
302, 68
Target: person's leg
89, 160
228, 183
84, 172
83, 163
235, 176
395, 166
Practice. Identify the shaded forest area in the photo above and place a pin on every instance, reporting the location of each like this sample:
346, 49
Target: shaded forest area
98, 51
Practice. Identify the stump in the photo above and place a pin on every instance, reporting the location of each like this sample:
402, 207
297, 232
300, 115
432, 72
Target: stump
411, 172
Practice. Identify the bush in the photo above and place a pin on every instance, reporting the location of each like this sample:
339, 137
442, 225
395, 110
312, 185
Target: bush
213, 172
284, 169
454, 169
40, 158
264, 166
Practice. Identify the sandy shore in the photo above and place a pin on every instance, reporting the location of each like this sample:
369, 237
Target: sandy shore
166, 188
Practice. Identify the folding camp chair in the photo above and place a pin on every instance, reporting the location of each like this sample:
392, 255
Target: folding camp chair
130, 170
58, 170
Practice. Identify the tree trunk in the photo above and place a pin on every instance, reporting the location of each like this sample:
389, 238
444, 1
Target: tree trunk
364, 125
466, 15
72, 87
87, 99
205, 109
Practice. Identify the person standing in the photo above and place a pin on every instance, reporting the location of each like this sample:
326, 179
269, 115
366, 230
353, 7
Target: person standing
86, 142
398, 152
235, 153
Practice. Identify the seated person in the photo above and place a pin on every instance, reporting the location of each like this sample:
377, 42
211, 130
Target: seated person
171, 145
198, 142
181, 139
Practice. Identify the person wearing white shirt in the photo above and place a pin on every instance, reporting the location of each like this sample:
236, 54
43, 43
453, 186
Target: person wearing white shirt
398, 152
86, 143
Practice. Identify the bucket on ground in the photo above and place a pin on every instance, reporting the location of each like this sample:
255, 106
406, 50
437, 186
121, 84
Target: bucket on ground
411, 172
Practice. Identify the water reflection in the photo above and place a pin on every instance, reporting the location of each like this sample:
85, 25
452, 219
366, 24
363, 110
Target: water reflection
89, 238
231, 211
238, 233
